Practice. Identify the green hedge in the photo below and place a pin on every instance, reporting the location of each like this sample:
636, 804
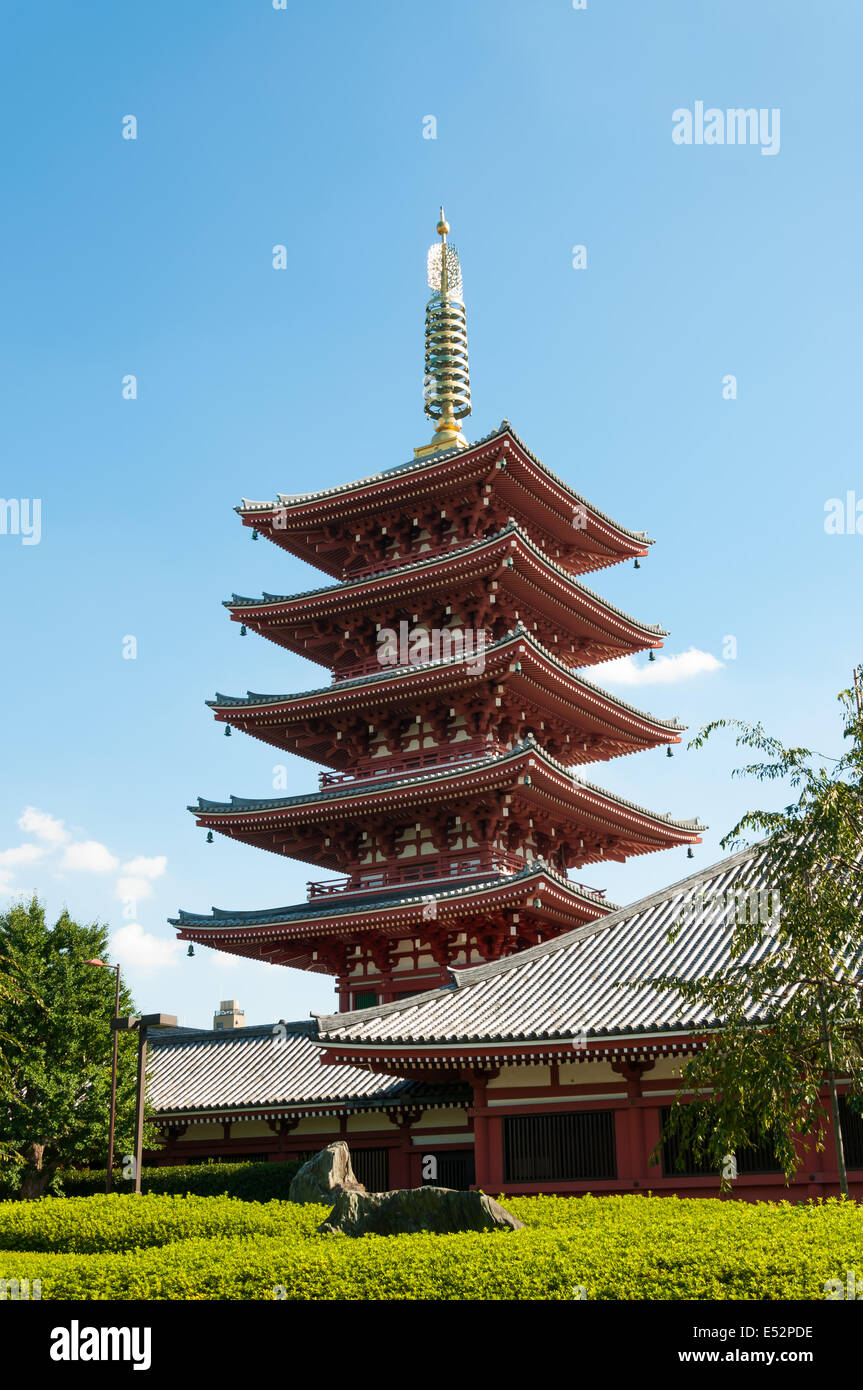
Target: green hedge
253, 1182
632, 1247
104, 1225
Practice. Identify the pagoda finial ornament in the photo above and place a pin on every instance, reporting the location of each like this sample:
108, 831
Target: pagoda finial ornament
447, 378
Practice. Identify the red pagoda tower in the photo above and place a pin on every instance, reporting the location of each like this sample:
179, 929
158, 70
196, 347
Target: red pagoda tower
454, 730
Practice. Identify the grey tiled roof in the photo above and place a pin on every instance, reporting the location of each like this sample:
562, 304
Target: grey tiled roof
554, 990
272, 1065
418, 465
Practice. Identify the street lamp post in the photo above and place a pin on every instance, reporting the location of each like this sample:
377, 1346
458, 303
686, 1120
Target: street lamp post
110, 1170
142, 1022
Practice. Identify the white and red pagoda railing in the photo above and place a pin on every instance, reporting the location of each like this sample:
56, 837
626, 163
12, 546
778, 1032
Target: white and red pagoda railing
438, 869
366, 667
471, 750
427, 869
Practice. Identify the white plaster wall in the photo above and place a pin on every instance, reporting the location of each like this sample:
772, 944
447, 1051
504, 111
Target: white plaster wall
530, 1075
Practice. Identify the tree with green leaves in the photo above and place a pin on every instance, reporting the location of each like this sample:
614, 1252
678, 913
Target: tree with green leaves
8, 993
56, 1045
786, 1004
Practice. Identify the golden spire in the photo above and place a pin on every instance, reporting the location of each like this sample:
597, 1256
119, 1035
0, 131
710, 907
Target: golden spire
447, 378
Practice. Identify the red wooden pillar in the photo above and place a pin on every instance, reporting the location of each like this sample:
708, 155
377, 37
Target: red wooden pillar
494, 1141
651, 1128
629, 1124
623, 1144
825, 1164
480, 1149
483, 1177
280, 1149
400, 1164
636, 1145
809, 1169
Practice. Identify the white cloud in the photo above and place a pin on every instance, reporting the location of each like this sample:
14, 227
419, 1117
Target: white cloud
79, 856
134, 888
22, 854
135, 948
45, 827
89, 857
662, 671
142, 867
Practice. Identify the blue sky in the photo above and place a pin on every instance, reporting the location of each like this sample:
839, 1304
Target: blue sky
304, 127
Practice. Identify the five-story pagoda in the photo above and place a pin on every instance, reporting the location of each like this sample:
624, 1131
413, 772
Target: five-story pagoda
454, 730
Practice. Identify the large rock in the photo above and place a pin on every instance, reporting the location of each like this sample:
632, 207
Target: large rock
413, 1209
328, 1173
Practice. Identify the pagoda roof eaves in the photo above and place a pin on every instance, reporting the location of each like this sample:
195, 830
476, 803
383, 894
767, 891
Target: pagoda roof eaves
518, 634
436, 776
512, 528
224, 918
283, 500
